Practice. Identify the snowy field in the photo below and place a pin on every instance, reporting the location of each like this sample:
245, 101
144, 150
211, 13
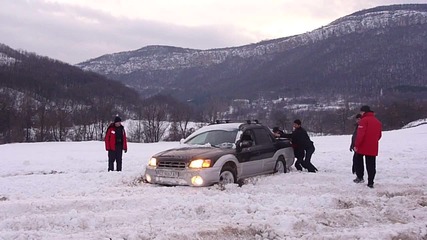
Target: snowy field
63, 191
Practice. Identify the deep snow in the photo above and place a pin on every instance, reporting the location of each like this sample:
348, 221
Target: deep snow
63, 191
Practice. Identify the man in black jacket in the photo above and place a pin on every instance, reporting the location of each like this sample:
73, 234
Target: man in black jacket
353, 140
303, 147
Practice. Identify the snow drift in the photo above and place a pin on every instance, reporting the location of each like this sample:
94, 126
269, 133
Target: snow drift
63, 191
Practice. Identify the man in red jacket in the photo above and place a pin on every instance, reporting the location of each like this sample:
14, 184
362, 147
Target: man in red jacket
115, 143
368, 135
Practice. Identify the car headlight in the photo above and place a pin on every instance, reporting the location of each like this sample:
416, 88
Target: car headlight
200, 163
152, 162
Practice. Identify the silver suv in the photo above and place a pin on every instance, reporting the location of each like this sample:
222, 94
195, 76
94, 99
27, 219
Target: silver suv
221, 153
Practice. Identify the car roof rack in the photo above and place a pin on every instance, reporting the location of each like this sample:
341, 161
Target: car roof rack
252, 121
219, 121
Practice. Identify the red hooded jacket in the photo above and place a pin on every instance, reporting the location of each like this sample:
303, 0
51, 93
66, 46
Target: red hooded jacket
368, 135
110, 138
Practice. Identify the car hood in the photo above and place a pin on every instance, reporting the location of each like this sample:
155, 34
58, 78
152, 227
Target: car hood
186, 154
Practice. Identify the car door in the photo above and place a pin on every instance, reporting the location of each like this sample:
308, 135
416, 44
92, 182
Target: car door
249, 156
265, 149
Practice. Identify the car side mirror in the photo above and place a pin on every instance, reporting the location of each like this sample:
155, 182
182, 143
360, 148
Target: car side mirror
181, 141
243, 144
246, 143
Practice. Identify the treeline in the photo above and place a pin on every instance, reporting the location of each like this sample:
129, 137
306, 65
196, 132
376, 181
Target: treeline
160, 118
394, 112
25, 119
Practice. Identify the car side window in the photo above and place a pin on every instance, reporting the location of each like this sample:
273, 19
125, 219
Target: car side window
262, 136
248, 136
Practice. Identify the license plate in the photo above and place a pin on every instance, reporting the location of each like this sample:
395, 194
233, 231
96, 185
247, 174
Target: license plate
165, 173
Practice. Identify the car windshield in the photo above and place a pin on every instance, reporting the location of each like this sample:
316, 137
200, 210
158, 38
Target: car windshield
218, 138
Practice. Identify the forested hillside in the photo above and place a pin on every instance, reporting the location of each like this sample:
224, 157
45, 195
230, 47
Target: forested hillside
42, 98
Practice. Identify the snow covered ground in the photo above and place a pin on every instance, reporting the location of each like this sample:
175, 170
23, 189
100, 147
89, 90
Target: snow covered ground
63, 191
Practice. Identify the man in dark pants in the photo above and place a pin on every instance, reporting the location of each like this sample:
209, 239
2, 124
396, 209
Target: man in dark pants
353, 140
367, 141
115, 143
303, 146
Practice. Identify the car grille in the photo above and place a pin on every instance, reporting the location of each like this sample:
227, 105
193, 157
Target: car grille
171, 164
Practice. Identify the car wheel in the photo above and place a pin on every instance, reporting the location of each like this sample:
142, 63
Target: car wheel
227, 175
280, 165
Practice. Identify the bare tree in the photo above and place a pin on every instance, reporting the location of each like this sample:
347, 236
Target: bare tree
181, 116
279, 118
136, 133
344, 116
136, 129
27, 112
155, 115
62, 122
41, 119
174, 134
101, 114
215, 109
6, 117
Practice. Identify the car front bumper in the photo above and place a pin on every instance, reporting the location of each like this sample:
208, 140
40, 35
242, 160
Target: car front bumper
185, 177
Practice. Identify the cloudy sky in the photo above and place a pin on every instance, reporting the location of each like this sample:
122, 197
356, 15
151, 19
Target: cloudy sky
77, 30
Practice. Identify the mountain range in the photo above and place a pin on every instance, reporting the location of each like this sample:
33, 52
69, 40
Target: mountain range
372, 53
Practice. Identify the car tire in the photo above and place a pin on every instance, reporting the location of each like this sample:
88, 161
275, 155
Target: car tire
227, 175
280, 166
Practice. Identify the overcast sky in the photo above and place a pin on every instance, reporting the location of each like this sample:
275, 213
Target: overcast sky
77, 30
